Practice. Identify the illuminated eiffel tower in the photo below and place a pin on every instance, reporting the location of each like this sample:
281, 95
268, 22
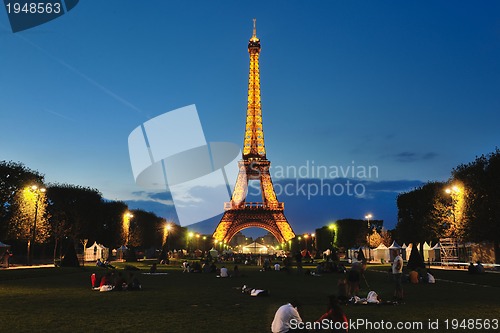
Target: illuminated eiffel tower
254, 165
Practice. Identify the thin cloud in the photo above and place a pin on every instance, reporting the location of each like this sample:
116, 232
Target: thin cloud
410, 157
85, 77
60, 115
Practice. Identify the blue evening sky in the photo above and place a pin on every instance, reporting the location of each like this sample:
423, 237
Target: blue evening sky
411, 87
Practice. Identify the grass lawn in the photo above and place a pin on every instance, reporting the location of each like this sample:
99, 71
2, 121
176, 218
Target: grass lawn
60, 300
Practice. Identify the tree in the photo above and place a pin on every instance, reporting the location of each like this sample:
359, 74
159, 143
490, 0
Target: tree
75, 214
112, 224
14, 177
30, 204
420, 216
351, 233
146, 229
375, 239
480, 180
386, 237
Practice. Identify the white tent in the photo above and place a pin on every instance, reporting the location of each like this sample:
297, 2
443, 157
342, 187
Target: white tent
255, 248
426, 249
403, 251
214, 253
381, 253
394, 250
96, 251
435, 252
408, 251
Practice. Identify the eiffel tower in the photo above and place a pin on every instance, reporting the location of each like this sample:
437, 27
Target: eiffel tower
254, 165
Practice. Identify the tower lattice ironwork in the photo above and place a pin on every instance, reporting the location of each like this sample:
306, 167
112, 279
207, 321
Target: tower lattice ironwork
240, 214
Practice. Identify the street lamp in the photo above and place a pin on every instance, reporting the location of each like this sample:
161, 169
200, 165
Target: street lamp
190, 235
126, 225
454, 191
332, 230
37, 191
306, 236
166, 233
368, 217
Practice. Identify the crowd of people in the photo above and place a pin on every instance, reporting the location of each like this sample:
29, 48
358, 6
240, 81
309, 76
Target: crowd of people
115, 281
287, 316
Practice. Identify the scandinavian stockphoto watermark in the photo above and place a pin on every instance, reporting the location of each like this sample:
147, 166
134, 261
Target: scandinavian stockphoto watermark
363, 325
170, 153
311, 180
27, 14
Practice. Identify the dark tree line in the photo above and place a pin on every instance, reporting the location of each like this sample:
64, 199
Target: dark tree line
422, 213
346, 233
467, 207
71, 214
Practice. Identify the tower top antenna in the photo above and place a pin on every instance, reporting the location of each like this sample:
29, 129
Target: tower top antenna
254, 28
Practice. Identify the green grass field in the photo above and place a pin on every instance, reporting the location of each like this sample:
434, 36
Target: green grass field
61, 300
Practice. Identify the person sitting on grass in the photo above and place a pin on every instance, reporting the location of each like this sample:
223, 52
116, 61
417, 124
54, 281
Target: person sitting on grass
95, 280
107, 264
254, 292
133, 283
334, 316
285, 317
236, 271
223, 272
120, 284
479, 267
106, 283
413, 276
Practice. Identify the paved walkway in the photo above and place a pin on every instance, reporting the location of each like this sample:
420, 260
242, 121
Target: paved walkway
26, 267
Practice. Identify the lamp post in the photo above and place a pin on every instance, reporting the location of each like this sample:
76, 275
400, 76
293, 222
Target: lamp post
197, 241
368, 217
306, 236
166, 232
313, 243
126, 225
332, 230
37, 191
190, 235
453, 192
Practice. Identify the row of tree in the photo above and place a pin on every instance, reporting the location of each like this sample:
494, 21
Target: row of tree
467, 207
347, 233
69, 213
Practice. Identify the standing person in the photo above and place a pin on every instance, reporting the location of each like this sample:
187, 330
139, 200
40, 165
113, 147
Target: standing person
286, 317
397, 273
343, 290
185, 267
298, 259
335, 316
353, 280
5, 259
